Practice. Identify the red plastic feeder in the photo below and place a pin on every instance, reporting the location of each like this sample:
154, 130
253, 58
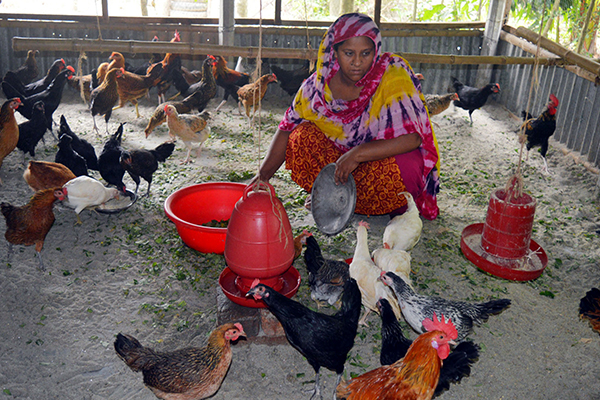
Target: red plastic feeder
259, 245
502, 246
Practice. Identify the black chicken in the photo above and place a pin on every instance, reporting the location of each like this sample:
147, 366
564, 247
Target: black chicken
589, 308
51, 96
109, 163
326, 278
32, 131
471, 98
206, 89
37, 86
27, 72
290, 81
143, 163
69, 157
324, 340
537, 131
394, 346
81, 146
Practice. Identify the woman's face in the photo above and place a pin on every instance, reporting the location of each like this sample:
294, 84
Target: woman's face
355, 57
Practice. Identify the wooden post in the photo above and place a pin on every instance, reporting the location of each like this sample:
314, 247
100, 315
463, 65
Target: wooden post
105, 10
277, 12
491, 35
377, 13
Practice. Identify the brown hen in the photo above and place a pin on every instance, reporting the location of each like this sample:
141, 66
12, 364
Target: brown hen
438, 103
9, 129
251, 94
131, 86
185, 374
41, 175
104, 97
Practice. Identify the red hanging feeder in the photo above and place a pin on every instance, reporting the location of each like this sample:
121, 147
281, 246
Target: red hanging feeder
259, 245
502, 246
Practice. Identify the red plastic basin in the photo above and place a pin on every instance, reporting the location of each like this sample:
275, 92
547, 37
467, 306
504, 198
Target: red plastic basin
192, 206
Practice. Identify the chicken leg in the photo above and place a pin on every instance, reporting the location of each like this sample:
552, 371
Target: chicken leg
38, 248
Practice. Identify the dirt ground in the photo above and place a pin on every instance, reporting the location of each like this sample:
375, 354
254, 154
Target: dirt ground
131, 272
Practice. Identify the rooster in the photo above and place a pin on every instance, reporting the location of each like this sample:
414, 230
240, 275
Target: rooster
290, 81
41, 175
394, 346
537, 131
29, 224
230, 80
206, 88
9, 129
470, 98
251, 94
190, 128
589, 308
84, 192
416, 308
143, 163
104, 97
190, 373
325, 340
415, 376
169, 63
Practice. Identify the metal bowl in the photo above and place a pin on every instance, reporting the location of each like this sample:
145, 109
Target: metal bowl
114, 206
332, 205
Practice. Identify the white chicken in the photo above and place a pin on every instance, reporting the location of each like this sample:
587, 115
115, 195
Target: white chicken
190, 128
83, 192
396, 261
404, 231
367, 274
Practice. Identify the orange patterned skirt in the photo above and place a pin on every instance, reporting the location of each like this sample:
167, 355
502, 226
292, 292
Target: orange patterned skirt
377, 182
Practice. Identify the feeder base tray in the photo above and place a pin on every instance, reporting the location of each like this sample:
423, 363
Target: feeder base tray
291, 283
524, 269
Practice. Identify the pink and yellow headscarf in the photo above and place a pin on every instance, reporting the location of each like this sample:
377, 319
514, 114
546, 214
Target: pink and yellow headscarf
390, 103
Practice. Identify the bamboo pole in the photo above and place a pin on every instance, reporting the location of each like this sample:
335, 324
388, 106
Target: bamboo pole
571, 57
133, 46
586, 24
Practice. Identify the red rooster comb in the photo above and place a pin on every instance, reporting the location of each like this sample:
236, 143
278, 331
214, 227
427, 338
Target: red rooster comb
70, 68
254, 283
239, 326
440, 325
554, 100
363, 223
176, 37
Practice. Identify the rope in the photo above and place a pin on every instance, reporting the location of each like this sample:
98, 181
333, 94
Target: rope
259, 69
98, 22
514, 186
80, 59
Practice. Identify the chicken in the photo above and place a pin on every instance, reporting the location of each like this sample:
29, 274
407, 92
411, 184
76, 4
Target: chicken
85, 192
29, 70
143, 163
537, 131
416, 308
190, 128
366, 273
299, 242
170, 63
69, 157
471, 98
81, 146
230, 80
183, 107
9, 129
131, 86
109, 163
32, 131
251, 94
326, 278
84, 84
36, 86
404, 231
394, 346
117, 62
589, 308
290, 81
51, 96
206, 88
438, 103
41, 175
396, 261
185, 374
29, 224
104, 97
325, 340
415, 376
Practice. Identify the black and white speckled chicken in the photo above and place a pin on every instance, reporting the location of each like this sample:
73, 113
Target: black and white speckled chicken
394, 346
416, 308
326, 278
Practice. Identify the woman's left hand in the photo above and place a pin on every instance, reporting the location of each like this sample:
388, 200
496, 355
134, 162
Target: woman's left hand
345, 165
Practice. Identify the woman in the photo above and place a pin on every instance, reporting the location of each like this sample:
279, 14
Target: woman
362, 110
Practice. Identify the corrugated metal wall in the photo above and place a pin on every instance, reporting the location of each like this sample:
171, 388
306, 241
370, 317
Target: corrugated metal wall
578, 121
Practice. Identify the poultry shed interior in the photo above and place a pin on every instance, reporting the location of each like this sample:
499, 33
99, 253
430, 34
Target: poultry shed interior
97, 296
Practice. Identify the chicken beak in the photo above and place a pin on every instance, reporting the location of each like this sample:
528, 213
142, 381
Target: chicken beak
452, 342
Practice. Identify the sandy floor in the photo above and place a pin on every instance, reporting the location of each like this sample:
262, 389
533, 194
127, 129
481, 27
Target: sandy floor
131, 272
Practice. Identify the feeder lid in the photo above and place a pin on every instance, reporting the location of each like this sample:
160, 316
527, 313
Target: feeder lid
332, 205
